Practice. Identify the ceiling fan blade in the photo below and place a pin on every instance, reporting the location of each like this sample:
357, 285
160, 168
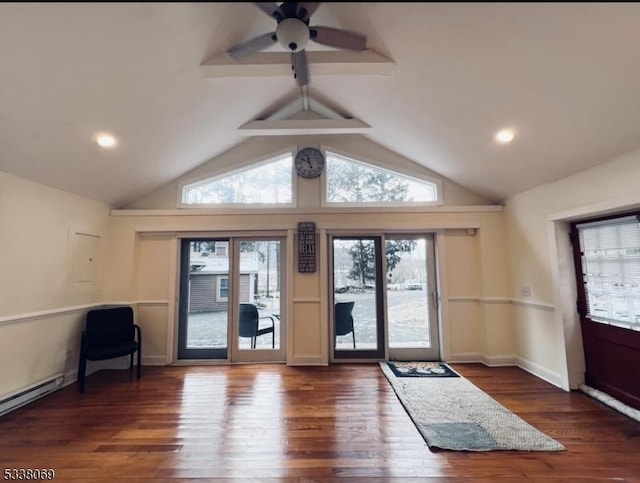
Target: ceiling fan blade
252, 45
271, 9
306, 9
300, 67
343, 39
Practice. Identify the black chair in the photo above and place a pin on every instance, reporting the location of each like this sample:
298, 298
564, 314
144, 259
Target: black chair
249, 325
344, 320
109, 333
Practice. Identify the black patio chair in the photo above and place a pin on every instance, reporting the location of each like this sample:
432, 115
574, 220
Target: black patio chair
249, 325
344, 320
109, 333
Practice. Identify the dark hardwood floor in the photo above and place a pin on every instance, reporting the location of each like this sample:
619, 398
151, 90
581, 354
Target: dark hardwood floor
268, 422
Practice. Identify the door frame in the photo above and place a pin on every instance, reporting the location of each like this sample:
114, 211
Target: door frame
214, 356
183, 353
358, 355
605, 346
236, 354
436, 309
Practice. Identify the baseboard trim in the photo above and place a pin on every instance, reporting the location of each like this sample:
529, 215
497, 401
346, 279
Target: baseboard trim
467, 357
509, 360
307, 361
489, 361
154, 360
499, 361
540, 371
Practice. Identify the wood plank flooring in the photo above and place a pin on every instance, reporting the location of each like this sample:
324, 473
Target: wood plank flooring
269, 422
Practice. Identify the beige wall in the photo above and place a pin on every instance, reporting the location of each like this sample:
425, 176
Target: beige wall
480, 317
548, 335
43, 298
476, 310
144, 256
43, 308
37, 229
485, 315
260, 147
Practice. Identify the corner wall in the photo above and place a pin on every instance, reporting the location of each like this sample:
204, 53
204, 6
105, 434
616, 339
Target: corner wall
48, 282
548, 332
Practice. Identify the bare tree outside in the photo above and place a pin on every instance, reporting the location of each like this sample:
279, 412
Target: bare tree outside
267, 183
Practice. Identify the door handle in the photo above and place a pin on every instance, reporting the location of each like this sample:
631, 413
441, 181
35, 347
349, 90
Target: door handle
434, 299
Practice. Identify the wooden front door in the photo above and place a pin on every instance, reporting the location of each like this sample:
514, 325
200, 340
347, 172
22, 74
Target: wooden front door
607, 260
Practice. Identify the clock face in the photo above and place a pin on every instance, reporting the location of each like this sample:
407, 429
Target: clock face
309, 162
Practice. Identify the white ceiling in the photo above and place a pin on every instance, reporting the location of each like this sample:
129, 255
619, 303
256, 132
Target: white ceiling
565, 76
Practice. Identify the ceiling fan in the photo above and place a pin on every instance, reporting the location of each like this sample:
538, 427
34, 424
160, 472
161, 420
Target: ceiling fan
293, 33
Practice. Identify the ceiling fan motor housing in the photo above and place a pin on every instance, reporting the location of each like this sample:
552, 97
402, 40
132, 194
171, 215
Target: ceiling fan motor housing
292, 34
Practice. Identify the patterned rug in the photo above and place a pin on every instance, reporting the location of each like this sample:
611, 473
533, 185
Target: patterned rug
421, 369
452, 413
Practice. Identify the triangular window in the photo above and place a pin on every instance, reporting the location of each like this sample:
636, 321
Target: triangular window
270, 183
354, 182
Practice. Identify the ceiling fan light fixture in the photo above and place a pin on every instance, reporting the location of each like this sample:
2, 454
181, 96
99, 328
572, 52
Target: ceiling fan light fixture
292, 34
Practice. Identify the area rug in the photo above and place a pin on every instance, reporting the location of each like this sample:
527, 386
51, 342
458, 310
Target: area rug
452, 413
421, 369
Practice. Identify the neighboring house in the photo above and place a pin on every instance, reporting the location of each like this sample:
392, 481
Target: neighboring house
209, 280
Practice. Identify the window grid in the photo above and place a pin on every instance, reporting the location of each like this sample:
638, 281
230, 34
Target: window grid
223, 289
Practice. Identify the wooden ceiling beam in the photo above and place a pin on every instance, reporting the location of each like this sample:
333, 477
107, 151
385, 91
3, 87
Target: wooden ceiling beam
274, 64
288, 127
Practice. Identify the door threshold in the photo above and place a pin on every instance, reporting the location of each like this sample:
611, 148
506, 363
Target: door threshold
611, 402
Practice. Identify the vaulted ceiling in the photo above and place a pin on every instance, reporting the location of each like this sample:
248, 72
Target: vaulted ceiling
564, 76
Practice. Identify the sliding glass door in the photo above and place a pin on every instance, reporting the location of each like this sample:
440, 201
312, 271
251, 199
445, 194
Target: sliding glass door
205, 292
257, 328
412, 298
384, 297
358, 325
230, 299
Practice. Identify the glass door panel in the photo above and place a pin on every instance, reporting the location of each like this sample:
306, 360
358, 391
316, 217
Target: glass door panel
258, 333
411, 291
204, 299
358, 329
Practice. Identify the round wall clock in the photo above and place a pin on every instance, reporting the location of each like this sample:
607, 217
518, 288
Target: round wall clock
309, 162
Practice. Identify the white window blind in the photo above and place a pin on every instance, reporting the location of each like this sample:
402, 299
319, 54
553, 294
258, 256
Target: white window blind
611, 270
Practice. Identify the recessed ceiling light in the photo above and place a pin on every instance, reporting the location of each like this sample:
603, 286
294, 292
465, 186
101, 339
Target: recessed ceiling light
505, 136
106, 140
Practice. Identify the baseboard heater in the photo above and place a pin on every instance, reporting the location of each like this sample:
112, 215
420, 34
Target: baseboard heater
29, 394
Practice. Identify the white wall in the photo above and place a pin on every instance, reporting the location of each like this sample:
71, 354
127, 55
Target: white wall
548, 333
43, 295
